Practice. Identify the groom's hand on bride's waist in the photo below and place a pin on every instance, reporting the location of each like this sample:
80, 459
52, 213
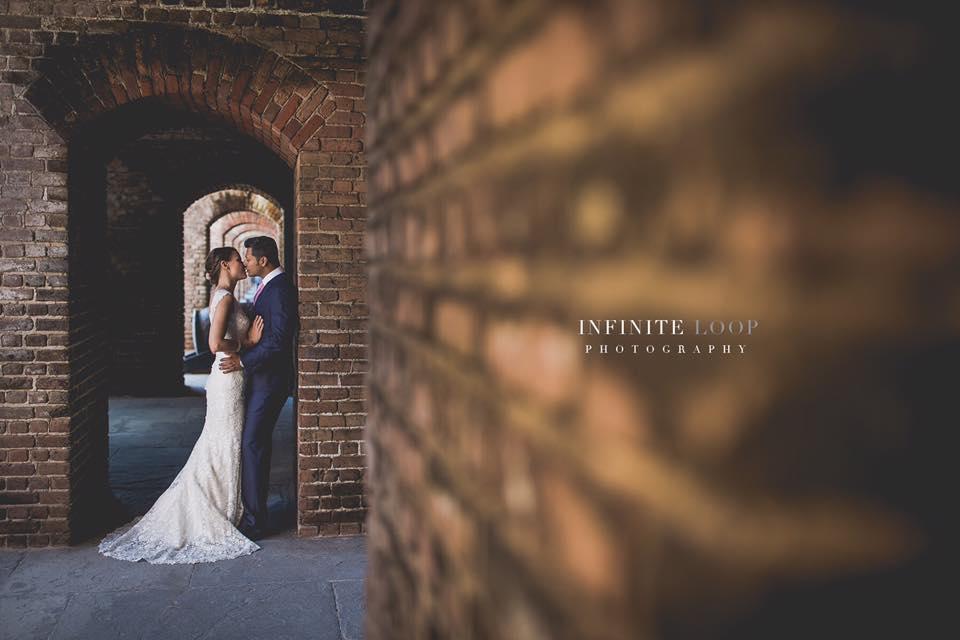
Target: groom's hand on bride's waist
230, 363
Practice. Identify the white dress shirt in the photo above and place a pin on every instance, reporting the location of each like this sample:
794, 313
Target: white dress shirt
270, 276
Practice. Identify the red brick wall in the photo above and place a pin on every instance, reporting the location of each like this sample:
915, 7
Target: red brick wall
289, 79
332, 359
537, 163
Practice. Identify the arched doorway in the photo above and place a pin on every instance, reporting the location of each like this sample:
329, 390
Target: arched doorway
95, 98
226, 217
143, 162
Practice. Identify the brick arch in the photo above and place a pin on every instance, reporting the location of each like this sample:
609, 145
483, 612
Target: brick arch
233, 219
243, 198
207, 219
261, 93
220, 227
238, 235
246, 230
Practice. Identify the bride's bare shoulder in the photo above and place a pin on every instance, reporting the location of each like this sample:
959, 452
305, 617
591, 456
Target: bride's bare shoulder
216, 296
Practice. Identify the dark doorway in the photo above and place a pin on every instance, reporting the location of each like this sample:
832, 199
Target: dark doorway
132, 175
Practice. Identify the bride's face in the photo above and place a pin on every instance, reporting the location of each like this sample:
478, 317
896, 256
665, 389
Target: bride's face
235, 267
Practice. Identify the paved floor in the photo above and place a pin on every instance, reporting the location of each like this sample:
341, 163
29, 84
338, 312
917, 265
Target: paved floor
291, 588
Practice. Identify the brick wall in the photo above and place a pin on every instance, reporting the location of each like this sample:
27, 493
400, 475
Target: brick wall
83, 76
332, 354
536, 163
35, 381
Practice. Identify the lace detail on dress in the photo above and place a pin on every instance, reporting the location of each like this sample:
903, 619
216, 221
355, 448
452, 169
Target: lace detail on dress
194, 520
238, 323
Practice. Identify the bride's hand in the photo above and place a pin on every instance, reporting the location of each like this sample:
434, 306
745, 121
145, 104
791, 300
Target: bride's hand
256, 330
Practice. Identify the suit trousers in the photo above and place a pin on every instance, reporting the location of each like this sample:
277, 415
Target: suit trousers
262, 410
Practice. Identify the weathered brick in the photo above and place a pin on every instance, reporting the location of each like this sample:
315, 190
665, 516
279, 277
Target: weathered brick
639, 181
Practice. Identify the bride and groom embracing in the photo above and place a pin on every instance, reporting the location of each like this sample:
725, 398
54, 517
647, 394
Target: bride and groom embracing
217, 505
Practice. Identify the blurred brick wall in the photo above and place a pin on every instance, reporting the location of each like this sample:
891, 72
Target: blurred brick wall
287, 74
536, 163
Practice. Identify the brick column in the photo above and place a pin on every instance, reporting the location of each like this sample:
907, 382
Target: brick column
331, 215
35, 330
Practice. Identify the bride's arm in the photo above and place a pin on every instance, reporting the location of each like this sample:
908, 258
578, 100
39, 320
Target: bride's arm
218, 328
254, 333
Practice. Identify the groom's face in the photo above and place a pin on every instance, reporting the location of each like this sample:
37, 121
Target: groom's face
253, 264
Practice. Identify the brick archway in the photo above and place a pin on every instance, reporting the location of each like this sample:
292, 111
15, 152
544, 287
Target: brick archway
79, 94
205, 223
259, 92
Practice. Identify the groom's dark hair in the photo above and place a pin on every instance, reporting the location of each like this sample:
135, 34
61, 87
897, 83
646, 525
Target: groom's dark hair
263, 246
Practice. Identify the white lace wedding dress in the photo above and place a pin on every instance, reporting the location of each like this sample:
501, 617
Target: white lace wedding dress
193, 521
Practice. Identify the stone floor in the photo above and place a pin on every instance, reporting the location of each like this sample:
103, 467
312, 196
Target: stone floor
291, 588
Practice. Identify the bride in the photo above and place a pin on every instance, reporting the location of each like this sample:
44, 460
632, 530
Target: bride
194, 520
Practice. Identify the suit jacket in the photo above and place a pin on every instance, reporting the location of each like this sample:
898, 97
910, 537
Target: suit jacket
270, 364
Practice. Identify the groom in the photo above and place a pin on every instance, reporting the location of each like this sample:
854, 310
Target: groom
269, 368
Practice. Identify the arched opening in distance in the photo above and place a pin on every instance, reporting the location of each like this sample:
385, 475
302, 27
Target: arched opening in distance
165, 88
218, 219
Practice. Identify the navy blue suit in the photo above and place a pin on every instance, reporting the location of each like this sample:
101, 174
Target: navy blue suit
269, 370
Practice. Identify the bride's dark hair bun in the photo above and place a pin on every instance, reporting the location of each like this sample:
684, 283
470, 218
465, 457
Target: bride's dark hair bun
214, 258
